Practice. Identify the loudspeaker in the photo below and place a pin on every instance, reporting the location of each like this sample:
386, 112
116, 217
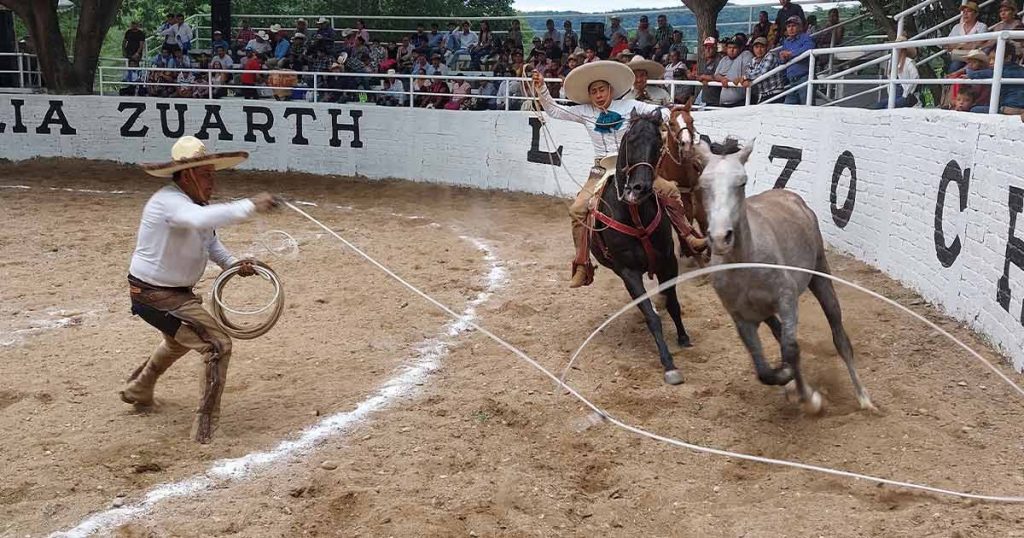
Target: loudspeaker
8, 43
589, 32
220, 17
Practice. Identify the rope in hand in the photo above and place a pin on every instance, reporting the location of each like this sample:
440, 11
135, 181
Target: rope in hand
219, 307
650, 435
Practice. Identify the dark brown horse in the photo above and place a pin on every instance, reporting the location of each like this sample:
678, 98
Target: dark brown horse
682, 166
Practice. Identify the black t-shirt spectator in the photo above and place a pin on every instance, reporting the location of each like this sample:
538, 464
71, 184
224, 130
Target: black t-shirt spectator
132, 44
787, 11
554, 52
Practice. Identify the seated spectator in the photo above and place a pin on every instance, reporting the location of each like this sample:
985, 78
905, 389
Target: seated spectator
511, 88
162, 83
572, 63
419, 65
662, 39
186, 84
1007, 21
135, 78
360, 49
436, 68
729, 72
218, 41
165, 59
741, 40
356, 65
811, 25
570, 39
643, 70
324, 30
203, 61
395, 91
538, 48
515, 36
675, 62
434, 39
279, 42
134, 42
245, 35
333, 86
551, 33
677, 46
219, 79
762, 62
682, 93
620, 46
250, 78
833, 38
388, 62
201, 90
483, 48
259, 44
320, 62
602, 49
302, 27
968, 25
907, 70
440, 89
378, 53
486, 96
181, 60
283, 80
590, 55
467, 39
298, 47
462, 89
406, 54
552, 51
964, 100
554, 71
420, 40
1011, 97
796, 43
451, 38
361, 31
643, 42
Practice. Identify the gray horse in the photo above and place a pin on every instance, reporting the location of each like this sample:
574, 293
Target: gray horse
774, 227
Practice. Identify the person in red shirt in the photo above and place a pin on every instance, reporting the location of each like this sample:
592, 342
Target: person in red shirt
620, 45
251, 80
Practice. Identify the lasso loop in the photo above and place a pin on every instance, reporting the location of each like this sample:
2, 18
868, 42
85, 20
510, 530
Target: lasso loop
244, 332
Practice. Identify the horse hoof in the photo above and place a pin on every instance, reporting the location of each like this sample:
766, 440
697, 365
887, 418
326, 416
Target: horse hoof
792, 395
674, 377
783, 375
814, 404
685, 342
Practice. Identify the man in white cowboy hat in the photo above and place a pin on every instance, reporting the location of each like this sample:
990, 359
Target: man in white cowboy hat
259, 44
643, 70
177, 237
324, 29
596, 86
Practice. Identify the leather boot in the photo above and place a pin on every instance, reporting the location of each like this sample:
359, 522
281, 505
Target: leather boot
139, 390
582, 269
694, 243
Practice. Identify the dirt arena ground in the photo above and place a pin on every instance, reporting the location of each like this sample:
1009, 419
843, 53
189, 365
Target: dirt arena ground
485, 446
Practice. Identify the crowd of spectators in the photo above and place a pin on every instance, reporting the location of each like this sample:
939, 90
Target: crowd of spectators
274, 63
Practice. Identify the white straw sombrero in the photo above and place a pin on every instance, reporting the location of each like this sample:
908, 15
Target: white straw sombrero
618, 75
190, 152
655, 71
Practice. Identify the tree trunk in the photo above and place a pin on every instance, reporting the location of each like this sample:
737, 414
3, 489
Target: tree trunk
706, 13
878, 13
60, 75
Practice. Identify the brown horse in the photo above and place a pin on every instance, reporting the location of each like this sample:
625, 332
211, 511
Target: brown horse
681, 165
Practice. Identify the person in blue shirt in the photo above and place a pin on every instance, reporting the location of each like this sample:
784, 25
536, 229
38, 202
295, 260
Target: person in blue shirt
282, 46
1011, 96
164, 59
796, 43
219, 41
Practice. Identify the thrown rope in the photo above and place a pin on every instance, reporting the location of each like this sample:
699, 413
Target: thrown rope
248, 332
650, 435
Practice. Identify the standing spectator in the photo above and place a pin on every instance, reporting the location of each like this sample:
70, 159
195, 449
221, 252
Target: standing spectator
467, 39
169, 30
730, 70
483, 47
570, 39
324, 29
662, 38
763, 62
616, 29
811, 27
834, 37
682, 93
706, 72
420, 40
906, 70
796, 43
219, 41
362, 32
675, 62
183, 33
763, 27
1007, 21
219, 79
678, 46
515, 36
245, 35
250, 79
259, 44
643, 43
134, 42
551, 33
436, 68
968, 25
620, 46
643, 70
135, 79
786, 12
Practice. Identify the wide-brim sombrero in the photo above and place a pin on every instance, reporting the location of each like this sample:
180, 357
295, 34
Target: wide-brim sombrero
655, 70
618, 75
190, 152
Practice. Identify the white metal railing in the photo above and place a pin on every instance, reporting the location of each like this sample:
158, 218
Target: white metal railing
30, 75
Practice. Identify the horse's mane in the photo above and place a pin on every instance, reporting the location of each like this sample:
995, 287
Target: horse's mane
728, 146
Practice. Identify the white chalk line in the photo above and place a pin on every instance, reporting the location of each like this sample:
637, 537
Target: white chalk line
668, 440
431, 351
65, 189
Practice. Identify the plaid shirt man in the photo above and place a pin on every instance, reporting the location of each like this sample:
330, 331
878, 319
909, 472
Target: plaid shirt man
771, 86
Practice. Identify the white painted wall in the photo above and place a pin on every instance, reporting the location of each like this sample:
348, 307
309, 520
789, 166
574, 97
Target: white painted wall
900, 157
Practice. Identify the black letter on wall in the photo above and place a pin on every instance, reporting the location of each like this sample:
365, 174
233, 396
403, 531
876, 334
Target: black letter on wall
1014, 251
126, 128
19, 127
214, 121
299, 113
535, 155
952, 174
180, 108
56, 109
354, 128
251, 127
841, 215
793, 157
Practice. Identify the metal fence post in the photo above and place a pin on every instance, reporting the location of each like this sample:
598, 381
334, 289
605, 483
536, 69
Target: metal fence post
412, 82
894, 70
997, 74
316, 87
507, 84
21, 72
810, 80
101, 80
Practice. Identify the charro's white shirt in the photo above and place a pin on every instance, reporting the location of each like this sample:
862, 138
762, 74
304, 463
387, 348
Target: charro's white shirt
177, 237
605, 144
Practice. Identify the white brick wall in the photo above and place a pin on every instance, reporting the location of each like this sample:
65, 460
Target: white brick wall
900, 157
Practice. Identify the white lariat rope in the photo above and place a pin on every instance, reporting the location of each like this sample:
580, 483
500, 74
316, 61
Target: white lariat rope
675, 442
246, 332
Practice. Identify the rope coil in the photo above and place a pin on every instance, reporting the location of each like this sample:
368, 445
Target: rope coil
276, 303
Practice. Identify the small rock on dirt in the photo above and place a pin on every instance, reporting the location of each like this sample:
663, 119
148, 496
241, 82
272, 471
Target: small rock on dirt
329, 465
118, 503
